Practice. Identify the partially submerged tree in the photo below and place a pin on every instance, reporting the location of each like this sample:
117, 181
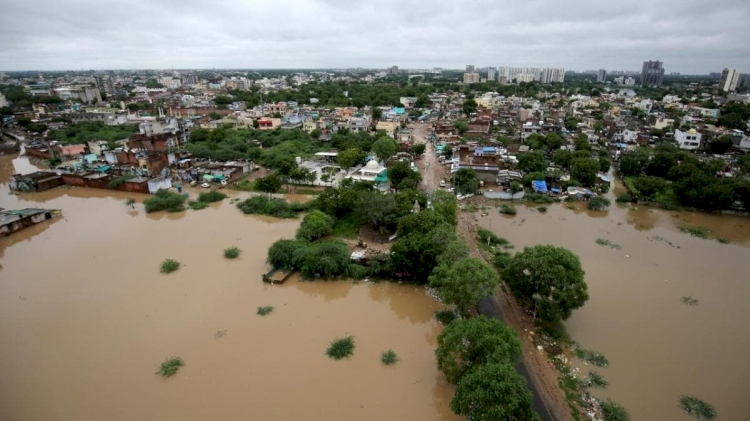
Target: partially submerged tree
315, 225
463, 283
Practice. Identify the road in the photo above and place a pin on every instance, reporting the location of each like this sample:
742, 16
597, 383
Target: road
429, 165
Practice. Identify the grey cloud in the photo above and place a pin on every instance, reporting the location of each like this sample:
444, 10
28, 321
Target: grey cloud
690, 36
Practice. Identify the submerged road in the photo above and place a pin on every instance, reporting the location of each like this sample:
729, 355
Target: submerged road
488, 307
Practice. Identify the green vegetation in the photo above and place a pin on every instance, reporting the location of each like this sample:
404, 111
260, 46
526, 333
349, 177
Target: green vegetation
466, 181
542, 209
550, 278
263, 205
196, 205
697, 408
613, 411
327, 258
538, 198
389, 357
592, 357
170, 367
698, 232
596, 380
624, 198
82, 133
598, 203
346, 227
463, 283
232, 252
385, 147
315, 225
243, 185
507, 209
341, 348
607, 243
165, 200
130, 203
445, 316
485, 236
117, 182
169, 266
723, 240
211, 196
264, 310
572, 206
689, 301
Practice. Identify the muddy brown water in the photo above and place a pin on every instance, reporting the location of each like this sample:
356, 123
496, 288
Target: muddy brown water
86, 318
658, 347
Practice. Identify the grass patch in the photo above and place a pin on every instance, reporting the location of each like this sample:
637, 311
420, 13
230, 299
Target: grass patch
169, 266
165, 200
341, 348
596, 380
169, 367
613, 411
196, 205
542, 209
487, 237
244, 185
389, 357
445, 317
598, 203
723, 240
698, 232
346, 227
211, 196
264, 310
697, 408
263, 205
306, 191
689, 301
572, 206
507, 209
232, 253
538, 198
592, 357
607, 243
624, 198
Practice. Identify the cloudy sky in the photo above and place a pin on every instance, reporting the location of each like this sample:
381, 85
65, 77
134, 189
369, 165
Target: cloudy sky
690, 36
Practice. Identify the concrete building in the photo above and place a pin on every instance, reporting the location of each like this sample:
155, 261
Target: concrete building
729, 80
601, 76
470, 68
491, 74
3, 101
744, 81
83, 93
652, 73
471, 77
689, 140
189, 79
393, 70
524, 77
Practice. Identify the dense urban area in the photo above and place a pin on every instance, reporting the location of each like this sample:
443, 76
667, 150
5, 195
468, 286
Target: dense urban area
395, 175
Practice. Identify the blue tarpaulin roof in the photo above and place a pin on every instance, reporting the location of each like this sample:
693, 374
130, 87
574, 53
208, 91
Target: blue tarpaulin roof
539, 186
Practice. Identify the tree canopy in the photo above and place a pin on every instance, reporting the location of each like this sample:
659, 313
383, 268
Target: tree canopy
463, 283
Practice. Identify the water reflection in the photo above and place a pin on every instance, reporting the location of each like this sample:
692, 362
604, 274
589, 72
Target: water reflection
442, 393
400, 298
328, 290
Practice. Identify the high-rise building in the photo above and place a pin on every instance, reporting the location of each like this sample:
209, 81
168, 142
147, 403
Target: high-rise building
491, 74
601, 77
729, 79
744, 81
469, 68
393, 70
189, 79
471, 77
105, 84
652, 73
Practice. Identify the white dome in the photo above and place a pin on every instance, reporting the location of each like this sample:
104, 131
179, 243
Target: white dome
372, 165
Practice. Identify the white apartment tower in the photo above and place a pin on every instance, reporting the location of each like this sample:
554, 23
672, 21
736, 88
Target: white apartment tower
729, 79
601, 77
491, 74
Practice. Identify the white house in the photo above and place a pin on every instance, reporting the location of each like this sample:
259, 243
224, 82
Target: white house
689, 140
369, 172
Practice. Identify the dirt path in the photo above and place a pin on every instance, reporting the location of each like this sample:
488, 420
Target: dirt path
549, 399
429, 165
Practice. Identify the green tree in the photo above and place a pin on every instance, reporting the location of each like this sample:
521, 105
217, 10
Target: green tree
326, 258
213, 115
582, 143
721, 145
377, 210
584, 170
743, 163
418, 149
464, 283
153, 84
268, 184
469, 343
562, 157
315, 225
384, 148
549, 277
376, 113
422, 238
462, 126
466, 181
634, 163
445, 205
349, 157
649, 186
400, 171
532, 161
493, 392
469, 106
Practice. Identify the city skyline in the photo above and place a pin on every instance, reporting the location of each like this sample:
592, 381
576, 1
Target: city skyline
578, 35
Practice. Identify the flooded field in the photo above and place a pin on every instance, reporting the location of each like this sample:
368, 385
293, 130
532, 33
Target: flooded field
86, 318
659, 348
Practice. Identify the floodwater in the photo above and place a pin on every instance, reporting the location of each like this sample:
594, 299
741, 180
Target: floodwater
86, 318
658, 347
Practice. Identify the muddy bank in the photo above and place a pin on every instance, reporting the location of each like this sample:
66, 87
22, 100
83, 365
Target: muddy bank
658, 347
86, 318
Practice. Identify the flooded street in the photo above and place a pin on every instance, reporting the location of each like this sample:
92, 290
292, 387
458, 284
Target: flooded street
86, 318
658, 347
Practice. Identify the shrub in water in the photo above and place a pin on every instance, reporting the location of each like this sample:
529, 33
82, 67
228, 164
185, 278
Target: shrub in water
194, 205
232, 253
598, 203
488, 237
326, 258
287, 254
445, 316
507, 209
596, 380
314, 226
169, 266
165, 200
341, 348
697, 408
211, 196
389, 357
169, 367
613, 411
542, 209
262, 205
698, 232
264, 310
624, 198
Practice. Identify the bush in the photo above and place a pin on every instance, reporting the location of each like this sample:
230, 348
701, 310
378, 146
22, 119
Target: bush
485, 236
232, 253
598, 203
697, 408
326, 259
195, 205
698, 232
613, 411
287, 254
264, 310
389, 357
169, 266
169, 367
507, 209
445, 317
165, 200
542, 209
538, 198
341, 348
314, 226
117, 182
211, 196
596, 380
624, 198
262, 205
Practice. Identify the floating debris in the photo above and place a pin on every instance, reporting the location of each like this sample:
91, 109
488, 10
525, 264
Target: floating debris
689, 301
607, 243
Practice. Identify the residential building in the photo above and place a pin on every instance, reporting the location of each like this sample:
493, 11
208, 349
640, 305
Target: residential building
471, 77
744, 81
3, 101
689, 140
524, 77
492, 74
729, 80
170, 83
189, 79
652, 73
83, 93
105, 84
40, 89
601, 77
470, 68
393, 70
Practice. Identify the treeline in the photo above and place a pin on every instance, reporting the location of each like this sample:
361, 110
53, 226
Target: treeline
673, 178
82, 133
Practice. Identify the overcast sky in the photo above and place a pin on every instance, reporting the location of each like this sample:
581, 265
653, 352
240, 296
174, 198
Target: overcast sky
690, 36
